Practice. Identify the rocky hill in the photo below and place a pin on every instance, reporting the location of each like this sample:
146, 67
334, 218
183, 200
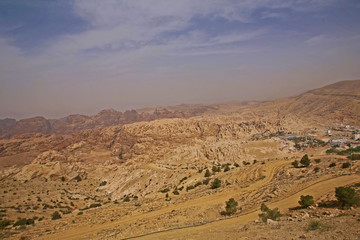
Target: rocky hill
339, 102
77, 122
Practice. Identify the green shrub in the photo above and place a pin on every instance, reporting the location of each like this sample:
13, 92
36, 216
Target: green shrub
78, 178
183, 179
317, 160
4, 223
24, 221
20, 222
231, 206
347, 196
207, 173
206, 181
94, 205
332, 164
346, 165
305, 160
55, 215
176, 192
103, 183
198, 184
354, 157
30, 221
80, 213
216, 183
165, 190
216, 169
295, 163
332, 150
306, 201
317, 169
227, 168
273, 214
127, 199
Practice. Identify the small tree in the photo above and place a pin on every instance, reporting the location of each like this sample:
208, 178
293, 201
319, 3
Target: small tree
346, 165
216, 183
305, 160
332, 164
347, 196
216, 169
4, 223
206, 181
306, 201
231, 206
55, 215
354, 157
295, 163
273, 214
207, 173
78, 178
20, 222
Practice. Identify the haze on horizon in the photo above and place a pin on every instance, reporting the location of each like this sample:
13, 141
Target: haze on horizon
80, 56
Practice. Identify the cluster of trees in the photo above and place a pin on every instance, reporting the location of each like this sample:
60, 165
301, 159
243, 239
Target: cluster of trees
305, 162
346, 196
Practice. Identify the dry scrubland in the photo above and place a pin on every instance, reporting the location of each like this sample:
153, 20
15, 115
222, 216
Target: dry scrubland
170, 178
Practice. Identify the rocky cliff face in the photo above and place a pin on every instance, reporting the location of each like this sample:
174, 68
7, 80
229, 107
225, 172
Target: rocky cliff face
77, 122
144, 156
7, 122
30, 125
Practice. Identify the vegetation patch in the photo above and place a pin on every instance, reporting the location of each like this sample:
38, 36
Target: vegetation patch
349, 151
273, 214
347, 196
306, 201
231, 207
216, 183
55, 215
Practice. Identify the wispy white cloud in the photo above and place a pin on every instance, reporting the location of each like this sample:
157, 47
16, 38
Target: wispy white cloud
316, 40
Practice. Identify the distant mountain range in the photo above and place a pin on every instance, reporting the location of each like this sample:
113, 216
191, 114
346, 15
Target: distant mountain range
338, 102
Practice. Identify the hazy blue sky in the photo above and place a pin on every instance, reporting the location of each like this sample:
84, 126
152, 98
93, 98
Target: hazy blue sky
59, 57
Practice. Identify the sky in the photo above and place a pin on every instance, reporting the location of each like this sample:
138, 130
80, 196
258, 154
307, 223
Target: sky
60, 57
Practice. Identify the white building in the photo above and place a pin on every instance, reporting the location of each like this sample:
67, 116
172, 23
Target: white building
339, 141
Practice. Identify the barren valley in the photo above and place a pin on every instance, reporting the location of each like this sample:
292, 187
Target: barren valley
167, 173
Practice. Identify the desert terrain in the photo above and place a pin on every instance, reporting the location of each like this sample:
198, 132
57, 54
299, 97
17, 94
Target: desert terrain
167, 172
